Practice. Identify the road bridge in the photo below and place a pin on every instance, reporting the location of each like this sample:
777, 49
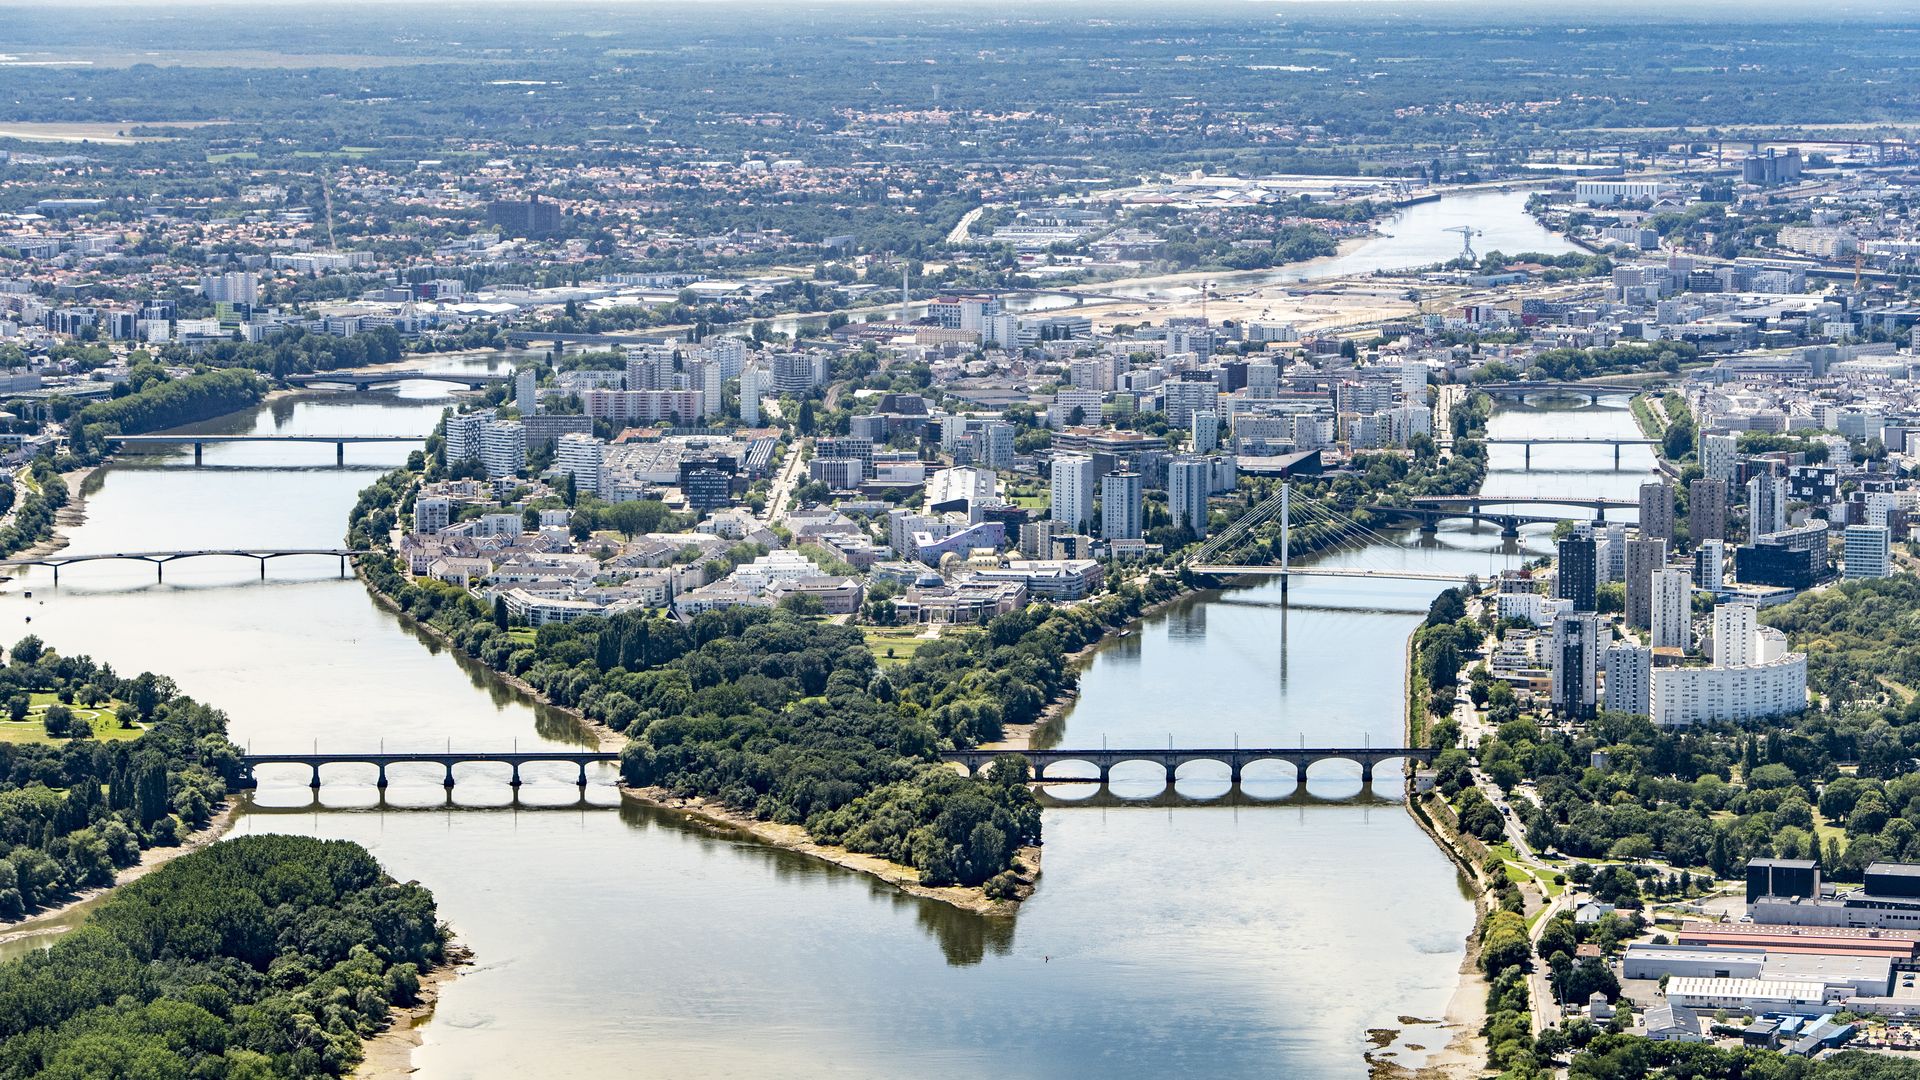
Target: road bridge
1593, 392
160, 559
382, 761
1572, 440
1237, 570
1235, 759
200, 441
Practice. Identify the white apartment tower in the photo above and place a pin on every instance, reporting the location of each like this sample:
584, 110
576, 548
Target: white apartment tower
1073, 480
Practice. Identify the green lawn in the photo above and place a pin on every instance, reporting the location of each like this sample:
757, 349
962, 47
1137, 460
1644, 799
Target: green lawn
106, 725
894, 644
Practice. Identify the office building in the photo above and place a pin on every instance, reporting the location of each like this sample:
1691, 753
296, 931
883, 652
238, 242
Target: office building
1120, 495
583, 458
1629, 678
1576, 579
1188, 481
1574, 649
1867, 551
503, 448
1656, 511
1707, 510
1790, 559
1644, 556
1710, 565
1073, 489
1672, 615
1766, 506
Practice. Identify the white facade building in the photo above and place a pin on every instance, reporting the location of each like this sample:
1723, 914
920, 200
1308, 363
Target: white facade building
1672, 609
1073, 480
1868, 551
583, 457
1752, 676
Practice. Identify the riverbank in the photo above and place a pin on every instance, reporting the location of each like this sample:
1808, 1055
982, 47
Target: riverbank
712, 815
388, 1054
58, 920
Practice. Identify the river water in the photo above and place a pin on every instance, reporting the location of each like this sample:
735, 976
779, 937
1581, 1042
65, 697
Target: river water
1262, 933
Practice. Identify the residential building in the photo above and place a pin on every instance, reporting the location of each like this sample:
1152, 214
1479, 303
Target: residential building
1629, 678
582, 457
1120, 495
1672, 609
1867, 551
1577, 567
462, 435
1644, 556
1719, 457
503, 448
1188, 481
1753, 676
1710, 565
1766, 505
1206, 430
526, 390
1574, 651
431, 513
1073, 491
754, 384
1656, 510
1707, 510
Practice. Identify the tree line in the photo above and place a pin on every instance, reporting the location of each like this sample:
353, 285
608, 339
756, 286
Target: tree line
72, 814
257, 958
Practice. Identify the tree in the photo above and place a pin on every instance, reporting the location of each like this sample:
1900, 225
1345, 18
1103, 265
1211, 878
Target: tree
58, 720
28, 650
806, 421
501, 618
18, 706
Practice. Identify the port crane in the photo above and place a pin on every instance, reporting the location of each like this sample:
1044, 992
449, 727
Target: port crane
1467, 233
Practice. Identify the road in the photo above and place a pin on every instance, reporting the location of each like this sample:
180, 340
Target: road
783, 484
962, 228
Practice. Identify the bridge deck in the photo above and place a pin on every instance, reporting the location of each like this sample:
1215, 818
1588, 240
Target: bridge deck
191, 438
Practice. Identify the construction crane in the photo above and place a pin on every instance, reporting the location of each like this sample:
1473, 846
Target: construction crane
1467, 233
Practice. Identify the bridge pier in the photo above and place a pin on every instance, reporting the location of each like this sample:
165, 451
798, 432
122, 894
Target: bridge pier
198, 449
159, 570
1509, 528
263, 568
1366, 774
339, 453
582, 782
315, 785
1616, 454
1526, 451
343, 566
516, 775
448, 782
382, 781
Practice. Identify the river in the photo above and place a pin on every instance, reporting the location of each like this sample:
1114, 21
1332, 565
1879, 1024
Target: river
1262, 934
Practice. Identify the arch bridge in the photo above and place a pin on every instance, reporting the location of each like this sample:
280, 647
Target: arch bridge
367, 380
383, 761
1236, 759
